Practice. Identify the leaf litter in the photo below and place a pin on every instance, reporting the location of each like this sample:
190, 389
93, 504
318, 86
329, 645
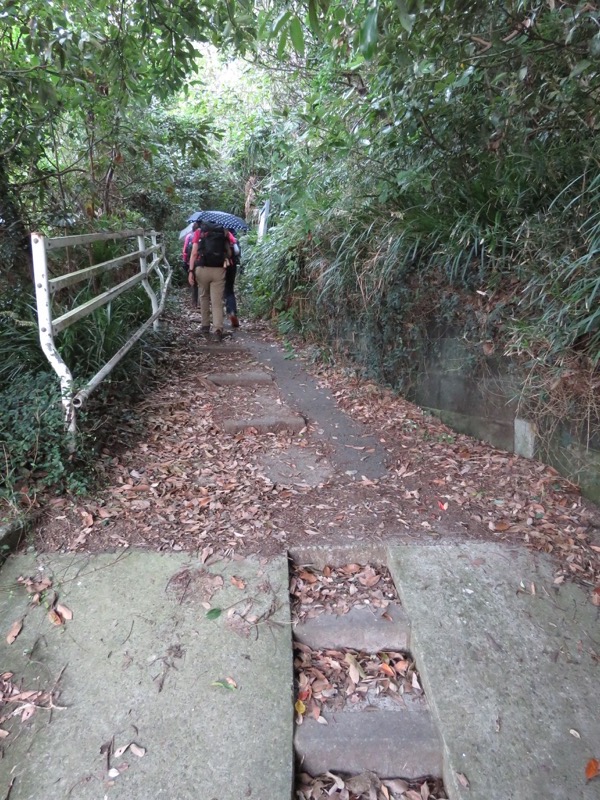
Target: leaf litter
185, 485
336, 590
16, 702
333, 679
367, 786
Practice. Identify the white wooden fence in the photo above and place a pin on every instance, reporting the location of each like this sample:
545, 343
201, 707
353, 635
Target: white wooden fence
46, 288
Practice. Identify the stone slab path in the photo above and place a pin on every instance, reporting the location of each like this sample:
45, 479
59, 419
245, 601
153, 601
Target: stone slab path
352, 449
510, 662
209, 700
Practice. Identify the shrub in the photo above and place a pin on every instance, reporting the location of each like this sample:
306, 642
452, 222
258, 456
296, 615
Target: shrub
33, 442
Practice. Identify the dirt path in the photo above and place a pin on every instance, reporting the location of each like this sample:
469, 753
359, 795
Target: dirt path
176, 481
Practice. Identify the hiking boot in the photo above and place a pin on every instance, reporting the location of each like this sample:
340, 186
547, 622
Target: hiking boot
222, 335
205, 331
235, 323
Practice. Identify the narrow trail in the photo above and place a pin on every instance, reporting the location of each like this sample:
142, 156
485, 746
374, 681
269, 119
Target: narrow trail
366, 467
292, 575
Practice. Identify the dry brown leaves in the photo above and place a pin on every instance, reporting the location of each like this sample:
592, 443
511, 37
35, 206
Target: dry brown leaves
16, 702
179, 483
329, 679
185, 485
338, 589
40, 591
366, 787
462, 479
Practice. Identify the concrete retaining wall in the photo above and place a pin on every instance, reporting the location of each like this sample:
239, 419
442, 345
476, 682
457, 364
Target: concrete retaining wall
478, 395
480, 398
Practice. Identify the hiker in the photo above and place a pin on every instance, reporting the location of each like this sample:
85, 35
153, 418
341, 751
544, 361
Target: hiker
185, 256
230, 274
212, 251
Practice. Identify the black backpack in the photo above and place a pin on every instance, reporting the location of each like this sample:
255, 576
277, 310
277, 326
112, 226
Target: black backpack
213, 247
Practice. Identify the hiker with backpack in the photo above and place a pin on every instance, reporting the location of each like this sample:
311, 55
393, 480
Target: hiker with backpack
212, 252
230, 301
185, 257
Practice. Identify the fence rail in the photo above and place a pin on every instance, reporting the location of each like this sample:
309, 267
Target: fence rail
46, 288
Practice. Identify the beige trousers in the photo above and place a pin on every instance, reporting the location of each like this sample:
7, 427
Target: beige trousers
211, 281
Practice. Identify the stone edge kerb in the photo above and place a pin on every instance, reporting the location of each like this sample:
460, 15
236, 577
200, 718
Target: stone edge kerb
12, 533
451, 784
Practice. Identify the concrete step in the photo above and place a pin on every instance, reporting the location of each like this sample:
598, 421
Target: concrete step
509, 661
402, 743
363, 629
269, 423
373, 729
210, 700
244, 378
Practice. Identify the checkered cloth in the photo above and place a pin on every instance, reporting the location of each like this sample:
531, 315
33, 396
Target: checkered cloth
220, 218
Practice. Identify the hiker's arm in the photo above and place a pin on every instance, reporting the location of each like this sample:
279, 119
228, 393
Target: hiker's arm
193, 257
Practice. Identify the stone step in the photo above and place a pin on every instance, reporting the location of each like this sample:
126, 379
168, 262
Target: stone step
244, 378
270, 423
363, 629
402, 743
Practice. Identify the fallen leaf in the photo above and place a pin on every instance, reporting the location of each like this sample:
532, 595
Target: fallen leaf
225, 683
3, 733
113, 773
397, 786
239, 582
88, 519
55, 618
214, 613
15, 630
300, 707
501, 525
575, 733
65, 612
304, 694
322, 721
138, 751
27, 712
339, 783
353, 668
596, 596
120, 750
463, 780
307, 576
592, 769
443, 506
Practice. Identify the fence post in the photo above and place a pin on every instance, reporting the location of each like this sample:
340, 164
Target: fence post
145, 282
43, 298
157, 260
